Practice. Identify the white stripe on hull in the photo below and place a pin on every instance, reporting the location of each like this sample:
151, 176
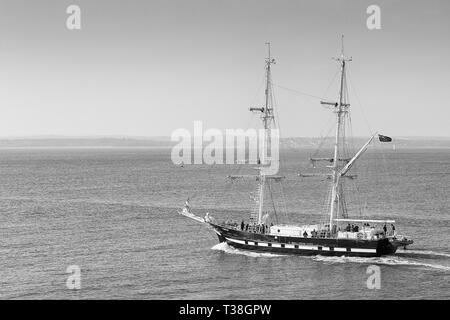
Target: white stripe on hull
300, 247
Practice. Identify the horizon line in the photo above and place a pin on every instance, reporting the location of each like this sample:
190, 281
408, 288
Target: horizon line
118, 136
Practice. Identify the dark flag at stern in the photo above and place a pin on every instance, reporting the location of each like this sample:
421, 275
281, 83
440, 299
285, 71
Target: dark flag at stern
384, 138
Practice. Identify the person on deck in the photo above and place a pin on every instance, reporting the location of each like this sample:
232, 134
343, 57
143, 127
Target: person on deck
242, 225
385, 229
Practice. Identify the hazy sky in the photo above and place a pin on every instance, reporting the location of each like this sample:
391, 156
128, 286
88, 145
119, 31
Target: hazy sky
148, 67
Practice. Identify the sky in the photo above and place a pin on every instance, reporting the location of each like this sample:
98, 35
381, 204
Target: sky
147, 68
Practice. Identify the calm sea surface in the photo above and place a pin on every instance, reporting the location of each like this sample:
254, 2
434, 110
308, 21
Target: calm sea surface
113, 212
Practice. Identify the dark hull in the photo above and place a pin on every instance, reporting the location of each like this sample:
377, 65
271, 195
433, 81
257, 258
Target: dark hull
304, 246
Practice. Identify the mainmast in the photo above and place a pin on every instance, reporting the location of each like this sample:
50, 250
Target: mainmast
267, 117
340, 108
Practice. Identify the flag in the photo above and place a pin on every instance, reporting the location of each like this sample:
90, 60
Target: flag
384, 138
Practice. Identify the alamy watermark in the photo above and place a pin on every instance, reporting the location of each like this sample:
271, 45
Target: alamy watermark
73, 21
74, 280
373, 21
374, 280
235, 146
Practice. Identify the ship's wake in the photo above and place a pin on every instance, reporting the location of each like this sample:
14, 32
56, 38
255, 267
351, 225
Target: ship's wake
386, 260
423, 253
223, 246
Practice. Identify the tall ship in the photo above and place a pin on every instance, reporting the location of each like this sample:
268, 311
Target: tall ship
339, 235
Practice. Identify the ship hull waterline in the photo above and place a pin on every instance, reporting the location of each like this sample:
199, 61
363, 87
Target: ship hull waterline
250, 241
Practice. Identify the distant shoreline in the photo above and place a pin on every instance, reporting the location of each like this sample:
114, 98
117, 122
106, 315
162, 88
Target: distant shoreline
165, 142
398, 143
114, 142
168, 148
80, 147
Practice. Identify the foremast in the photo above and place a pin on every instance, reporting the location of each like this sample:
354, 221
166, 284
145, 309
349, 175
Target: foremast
340, 108
267, 117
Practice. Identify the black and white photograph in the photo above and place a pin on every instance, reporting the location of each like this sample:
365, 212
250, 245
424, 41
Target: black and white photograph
214, 151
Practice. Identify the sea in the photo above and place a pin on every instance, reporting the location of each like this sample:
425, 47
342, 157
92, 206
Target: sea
112, 214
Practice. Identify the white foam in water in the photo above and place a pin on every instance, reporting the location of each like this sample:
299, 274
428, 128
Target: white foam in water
392, 261
387, 260
228, 249
425, 252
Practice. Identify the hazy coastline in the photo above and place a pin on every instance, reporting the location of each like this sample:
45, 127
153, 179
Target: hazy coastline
165, 142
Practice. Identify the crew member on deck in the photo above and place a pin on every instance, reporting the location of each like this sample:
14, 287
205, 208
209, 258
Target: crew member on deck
242, 225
